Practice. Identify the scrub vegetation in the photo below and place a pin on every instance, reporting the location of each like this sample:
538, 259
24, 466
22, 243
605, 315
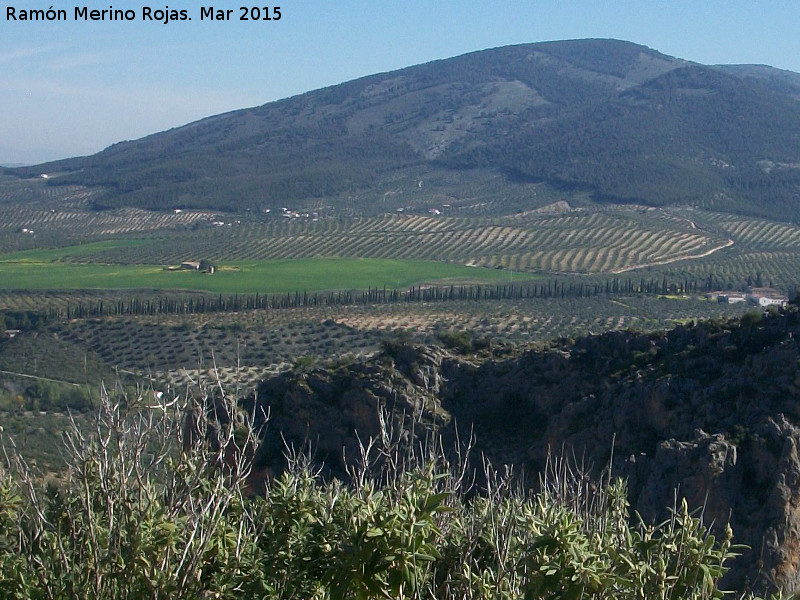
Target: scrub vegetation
155, 503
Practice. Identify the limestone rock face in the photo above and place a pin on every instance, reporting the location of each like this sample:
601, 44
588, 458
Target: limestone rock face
709, 412
755, 485
332, 412
782, 532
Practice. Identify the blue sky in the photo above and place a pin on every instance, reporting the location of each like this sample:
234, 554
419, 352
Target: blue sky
72, 88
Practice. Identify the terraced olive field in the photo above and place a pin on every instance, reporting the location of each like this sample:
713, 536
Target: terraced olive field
521, 228
246, 345
58, 253
35, 215
575, 241
759, 249
579, 241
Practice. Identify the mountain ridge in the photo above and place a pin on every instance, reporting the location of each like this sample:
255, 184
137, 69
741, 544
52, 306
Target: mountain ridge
613, 119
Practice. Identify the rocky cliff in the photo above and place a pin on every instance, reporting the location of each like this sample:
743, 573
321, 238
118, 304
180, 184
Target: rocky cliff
707, 411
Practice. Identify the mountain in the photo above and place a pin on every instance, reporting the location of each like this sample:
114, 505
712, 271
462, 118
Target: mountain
779, 80
613, 119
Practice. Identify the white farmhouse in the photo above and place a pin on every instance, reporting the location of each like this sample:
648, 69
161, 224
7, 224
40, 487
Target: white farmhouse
766, 297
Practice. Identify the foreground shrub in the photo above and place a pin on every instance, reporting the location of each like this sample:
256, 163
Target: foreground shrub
154, 505
150, 506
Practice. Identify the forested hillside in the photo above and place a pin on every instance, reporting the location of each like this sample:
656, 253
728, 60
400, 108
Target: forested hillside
613, 119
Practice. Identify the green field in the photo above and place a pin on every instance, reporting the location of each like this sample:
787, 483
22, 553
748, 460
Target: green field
70, 253
36, 270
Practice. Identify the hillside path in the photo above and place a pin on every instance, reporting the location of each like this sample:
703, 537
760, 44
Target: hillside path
727, 244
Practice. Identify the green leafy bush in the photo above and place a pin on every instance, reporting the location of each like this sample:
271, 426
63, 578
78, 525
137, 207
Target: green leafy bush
151, 505
155, 504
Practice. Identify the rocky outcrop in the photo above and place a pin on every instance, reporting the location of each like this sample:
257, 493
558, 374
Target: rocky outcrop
708, 411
